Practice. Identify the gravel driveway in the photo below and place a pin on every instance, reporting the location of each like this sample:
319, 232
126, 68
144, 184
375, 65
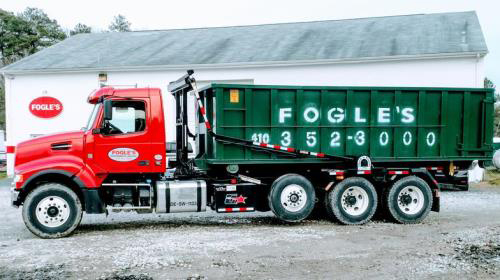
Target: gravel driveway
463, 241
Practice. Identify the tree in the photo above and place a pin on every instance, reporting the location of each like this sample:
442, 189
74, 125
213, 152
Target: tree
489, 84
119, 24
15, 37
45, 32
496, 122
80, 28
22, 35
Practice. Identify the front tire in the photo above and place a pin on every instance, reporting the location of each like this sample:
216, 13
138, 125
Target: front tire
52, 211
292, 198
409, 200
352, 201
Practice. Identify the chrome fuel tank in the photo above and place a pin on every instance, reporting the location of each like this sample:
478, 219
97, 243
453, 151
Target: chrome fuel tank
181, 196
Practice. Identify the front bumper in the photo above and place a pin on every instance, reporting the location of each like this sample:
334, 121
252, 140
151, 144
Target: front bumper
14, 195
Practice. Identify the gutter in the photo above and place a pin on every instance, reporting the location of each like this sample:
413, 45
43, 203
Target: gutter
248, 64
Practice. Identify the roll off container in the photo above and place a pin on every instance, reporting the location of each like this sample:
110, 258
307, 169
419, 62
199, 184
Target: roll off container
351, 151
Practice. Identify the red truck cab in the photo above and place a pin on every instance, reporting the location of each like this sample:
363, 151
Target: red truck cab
133, 138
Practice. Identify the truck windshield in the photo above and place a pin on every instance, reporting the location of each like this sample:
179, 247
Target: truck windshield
92, 117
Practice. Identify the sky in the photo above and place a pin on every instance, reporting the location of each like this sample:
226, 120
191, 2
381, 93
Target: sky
168, 14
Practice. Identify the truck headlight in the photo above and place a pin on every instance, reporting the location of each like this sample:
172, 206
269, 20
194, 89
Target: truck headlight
18, 178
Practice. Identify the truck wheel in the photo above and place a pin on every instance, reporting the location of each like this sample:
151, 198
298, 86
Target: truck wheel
352, 201
292, 197
52, 210
409, 200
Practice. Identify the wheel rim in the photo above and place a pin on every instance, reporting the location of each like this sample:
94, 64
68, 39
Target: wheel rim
293, 198
411, 200
52, 211
355, 201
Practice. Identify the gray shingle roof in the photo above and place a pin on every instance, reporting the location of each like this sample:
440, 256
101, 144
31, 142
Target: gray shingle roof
409, 35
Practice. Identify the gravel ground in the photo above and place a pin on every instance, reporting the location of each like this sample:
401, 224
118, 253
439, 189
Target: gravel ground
462, 241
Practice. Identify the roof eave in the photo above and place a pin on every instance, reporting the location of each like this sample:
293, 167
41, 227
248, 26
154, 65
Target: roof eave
247, 64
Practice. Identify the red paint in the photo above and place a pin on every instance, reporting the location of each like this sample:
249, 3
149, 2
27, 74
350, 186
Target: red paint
399, 172
240, 199
10, 149
435, 168
46, 107
88, 159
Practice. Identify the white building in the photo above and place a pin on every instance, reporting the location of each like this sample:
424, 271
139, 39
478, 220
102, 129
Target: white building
435, 50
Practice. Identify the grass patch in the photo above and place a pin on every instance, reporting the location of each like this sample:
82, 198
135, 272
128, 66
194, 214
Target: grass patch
493, 177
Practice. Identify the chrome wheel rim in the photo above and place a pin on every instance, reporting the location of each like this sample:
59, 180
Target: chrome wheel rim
52, 211
411, 200
355, 201
293, 198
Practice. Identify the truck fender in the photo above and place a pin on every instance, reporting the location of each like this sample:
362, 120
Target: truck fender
433, 184
91, 198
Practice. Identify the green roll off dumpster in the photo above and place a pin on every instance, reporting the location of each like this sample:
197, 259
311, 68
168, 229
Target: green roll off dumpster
406, 142
393, 126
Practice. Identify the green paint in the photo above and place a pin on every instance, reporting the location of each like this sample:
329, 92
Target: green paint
385, 123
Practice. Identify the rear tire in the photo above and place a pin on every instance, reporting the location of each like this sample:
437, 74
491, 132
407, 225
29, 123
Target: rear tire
52, 211
409, 200
292, 198
352, 201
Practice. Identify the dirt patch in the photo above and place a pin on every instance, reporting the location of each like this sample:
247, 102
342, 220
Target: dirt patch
46, 272
119, 276
485, 257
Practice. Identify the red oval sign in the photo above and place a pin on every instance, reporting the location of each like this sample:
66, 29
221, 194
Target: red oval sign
46, 107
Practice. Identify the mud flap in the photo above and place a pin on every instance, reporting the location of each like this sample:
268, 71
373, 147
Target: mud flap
433, 184
436, 201
92, 201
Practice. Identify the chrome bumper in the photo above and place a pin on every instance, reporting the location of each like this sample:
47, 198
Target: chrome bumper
14, 194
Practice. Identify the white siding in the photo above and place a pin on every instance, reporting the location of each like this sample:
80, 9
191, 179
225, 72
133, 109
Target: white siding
72, 89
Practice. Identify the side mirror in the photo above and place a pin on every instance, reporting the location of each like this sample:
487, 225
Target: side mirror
108, 110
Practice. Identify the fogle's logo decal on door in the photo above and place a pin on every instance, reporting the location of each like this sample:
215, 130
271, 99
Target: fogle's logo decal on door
123, 154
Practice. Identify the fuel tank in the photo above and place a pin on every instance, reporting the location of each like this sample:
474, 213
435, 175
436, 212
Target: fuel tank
181, 196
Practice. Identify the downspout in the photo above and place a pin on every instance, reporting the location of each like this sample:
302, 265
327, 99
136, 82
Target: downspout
475, 70
9, 143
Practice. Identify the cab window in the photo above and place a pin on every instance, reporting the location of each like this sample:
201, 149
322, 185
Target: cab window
127, 117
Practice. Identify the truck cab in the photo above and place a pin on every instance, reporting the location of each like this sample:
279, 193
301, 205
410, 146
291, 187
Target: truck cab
126, 138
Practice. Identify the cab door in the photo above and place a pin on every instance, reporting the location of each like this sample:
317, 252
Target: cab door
123, 144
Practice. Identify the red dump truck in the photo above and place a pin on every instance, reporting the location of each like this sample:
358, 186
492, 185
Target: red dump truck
288, 149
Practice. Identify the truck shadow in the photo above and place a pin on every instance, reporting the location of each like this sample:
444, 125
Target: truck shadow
190, 222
